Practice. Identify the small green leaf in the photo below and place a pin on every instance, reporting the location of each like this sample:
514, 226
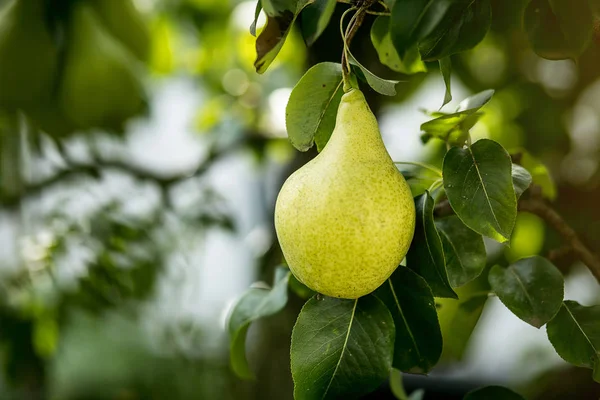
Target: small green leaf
464, 250
539, 173
254, 304
493, 393
454, 128
397, 388
559, 29
281, 15
532, 288
383, 86
412, 20
418, 344
315, 19
446, 70
312, 107
411, 63
458, 318
478, 183
464, 25
521, 179
256, 15
575, 334
341, 347
426, 254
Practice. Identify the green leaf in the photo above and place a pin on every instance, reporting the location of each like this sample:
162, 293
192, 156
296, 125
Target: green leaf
493, 393
254, 304
397, 388
521, 179
418, 344
382, 86
539, 173
256, 15
454, 128
411, 63
446, 70
559, 29
341, 347
426, 255
412, 20
464, 250
281, 15
575, 334
312, 107
315, 19
532, 288
464, 25
478, 183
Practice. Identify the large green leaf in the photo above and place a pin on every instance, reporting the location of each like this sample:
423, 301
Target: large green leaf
575, 334
315, 19
464, 250
454, 128
426, 254
532, 288
559, 29
382, 86
412, 20
254, 304
281, 15
341, 347
478, 183
411, 63
418, 344
493, 393
464, 25
312, 107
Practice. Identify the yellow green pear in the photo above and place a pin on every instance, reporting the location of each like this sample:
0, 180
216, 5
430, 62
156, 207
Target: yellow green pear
100, 86
28, 56
127, 24
346, 219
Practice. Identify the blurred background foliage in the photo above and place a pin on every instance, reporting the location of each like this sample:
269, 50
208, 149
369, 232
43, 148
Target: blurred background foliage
124, 246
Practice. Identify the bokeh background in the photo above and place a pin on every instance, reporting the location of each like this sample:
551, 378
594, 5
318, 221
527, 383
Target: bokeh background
121, 254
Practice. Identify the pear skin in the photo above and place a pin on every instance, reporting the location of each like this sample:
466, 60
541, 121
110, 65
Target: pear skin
28, 55
346, 219
100, 86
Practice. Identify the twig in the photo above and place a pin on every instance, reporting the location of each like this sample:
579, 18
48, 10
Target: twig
548, 214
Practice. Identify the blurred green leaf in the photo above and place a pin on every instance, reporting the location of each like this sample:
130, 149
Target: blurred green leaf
332, 351
463, 249
559, 29
397, 387
411, 63
254, 304
312, 108
463, 26
382, 86
426, 254
315, 19
303, 291
418, 344
256, 15
532, 288
539, 172
478, 183
575, 334
493, 393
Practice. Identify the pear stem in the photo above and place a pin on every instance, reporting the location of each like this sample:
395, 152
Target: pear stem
422, 165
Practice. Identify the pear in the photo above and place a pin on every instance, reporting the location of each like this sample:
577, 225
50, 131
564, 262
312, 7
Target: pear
100, 86
125, 22
28, 55
346, 219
